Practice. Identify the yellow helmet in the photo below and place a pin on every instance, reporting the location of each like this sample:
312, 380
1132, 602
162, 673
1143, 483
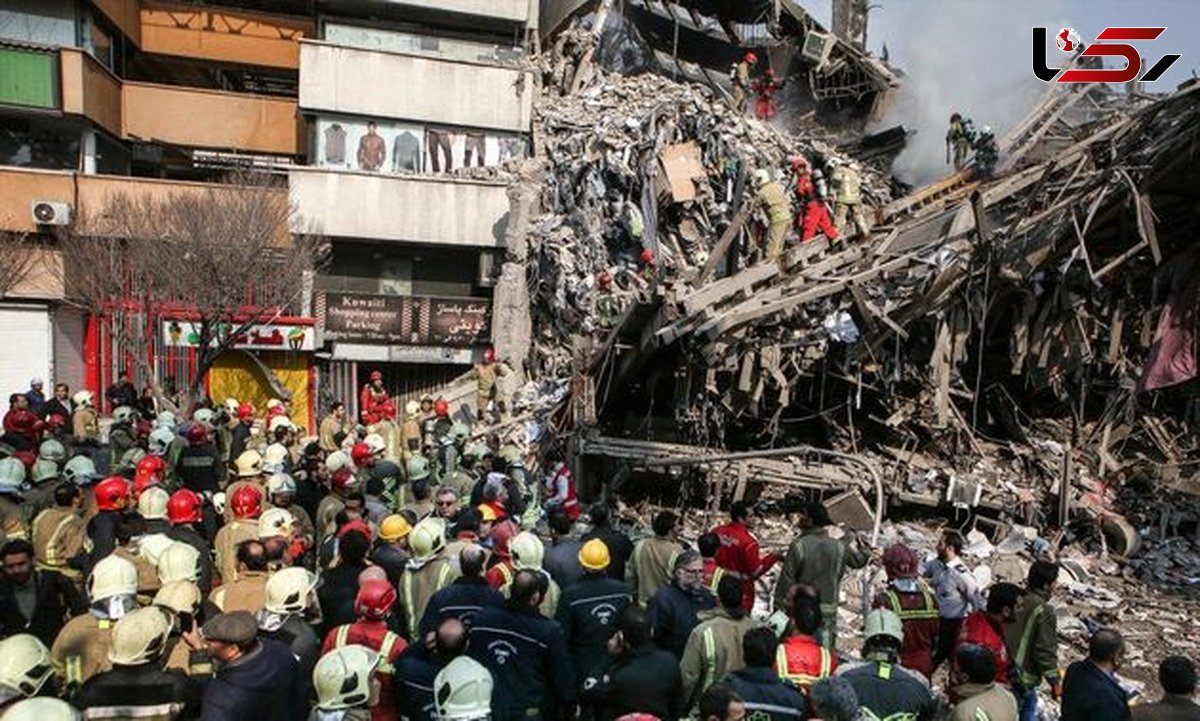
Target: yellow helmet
25, 665
152, 504
342, 677
250, 463
526, 550
288, 590
486, 513
139, 637
428, 537
41, 708
112, 576
594, 555
394, 527
179, 562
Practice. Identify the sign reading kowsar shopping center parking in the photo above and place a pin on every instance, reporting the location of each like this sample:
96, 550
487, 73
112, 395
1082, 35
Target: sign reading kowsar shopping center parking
407, 320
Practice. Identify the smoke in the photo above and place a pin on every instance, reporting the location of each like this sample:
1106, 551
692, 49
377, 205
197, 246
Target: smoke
969, 56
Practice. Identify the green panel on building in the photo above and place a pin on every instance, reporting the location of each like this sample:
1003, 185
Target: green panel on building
27, 78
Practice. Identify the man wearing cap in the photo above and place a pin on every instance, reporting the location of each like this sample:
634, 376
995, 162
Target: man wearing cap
912, 601
588, 610
255, 679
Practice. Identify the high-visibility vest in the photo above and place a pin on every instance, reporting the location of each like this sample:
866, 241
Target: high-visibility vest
803, 665
927, 611
342, 634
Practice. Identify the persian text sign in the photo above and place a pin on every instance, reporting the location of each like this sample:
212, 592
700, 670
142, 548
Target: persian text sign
407, 320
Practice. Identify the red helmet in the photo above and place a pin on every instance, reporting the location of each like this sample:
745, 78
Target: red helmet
245, 411
604, 280
360, 454
502, 533
770, 72
375, 598
150, 471
112, 494
489, 355
342, 480
376, 376
647, 256
900, 562
183, 507
246, 502
354, 524
751, 58
441, 408
799, 163
56, 420
197, 434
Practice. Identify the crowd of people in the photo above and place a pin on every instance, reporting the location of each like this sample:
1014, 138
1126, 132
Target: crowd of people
215, 564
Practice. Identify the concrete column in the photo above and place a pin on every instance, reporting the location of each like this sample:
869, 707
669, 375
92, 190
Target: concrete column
512, 324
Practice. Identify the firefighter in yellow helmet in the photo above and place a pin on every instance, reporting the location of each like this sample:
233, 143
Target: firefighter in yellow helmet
81, 649
527, 551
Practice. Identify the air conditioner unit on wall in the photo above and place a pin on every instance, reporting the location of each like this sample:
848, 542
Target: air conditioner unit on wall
50, 212
817, 46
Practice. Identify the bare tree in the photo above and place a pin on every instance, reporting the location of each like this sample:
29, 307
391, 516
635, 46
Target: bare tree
17, 255
219, 256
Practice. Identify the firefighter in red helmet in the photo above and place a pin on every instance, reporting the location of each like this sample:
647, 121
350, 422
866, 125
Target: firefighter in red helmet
739, 73
487, 374
112, 498
908, 597
372, 607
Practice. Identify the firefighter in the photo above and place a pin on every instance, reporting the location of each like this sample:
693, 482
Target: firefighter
426, 573
12, 480
184, 511
59, 534
374, 400
463, 691
248, 590
765, 88
45, 477
181, 601
342, 484
122, 435
739, 73
372, 606
527, 551
885, 689
911, 600
26, 670
649, 567
714, 648
986, 153
500, 567
847, 190
150, 471
410, 431
82, 472
239, 434
709, 545
801, 659
81, 649
589, 609
811, 196
958, 141
608, 305
559, 489
246, 503
487, 375
463, 598
345, 685
290, 593
112, 498
85, 423
199, 467
249, 471
770, 197
281, 491
390, 551
739, 551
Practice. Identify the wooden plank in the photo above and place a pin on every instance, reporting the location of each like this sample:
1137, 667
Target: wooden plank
726, 241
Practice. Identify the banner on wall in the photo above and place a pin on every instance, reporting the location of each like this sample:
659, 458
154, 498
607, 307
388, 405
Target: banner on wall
261, 336
407, 320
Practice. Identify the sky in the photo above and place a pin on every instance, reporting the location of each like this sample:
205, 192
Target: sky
973, 56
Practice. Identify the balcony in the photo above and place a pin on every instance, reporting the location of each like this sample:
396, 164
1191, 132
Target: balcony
515, 11
419, 209
224, 35
406, 87
214, 119
90, 90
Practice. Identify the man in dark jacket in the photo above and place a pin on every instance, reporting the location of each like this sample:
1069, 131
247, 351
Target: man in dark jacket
199, 466
620, 548
466, 596
1177, 676
418, 666
674, 610
121, 393
340, 583
526, 654
588, 611
758, 684
562, 557
183, 529
1091, 691
257, 680
35, 602
640, 678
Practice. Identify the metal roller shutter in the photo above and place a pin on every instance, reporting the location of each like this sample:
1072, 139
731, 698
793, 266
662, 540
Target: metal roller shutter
26, 347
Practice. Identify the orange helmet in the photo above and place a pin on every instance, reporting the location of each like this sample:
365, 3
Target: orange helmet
183, 507
360, 454
375, 598
441, 408
112, 494
246, 502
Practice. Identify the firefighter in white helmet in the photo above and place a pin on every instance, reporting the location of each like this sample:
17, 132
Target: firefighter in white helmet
25, 669
81, 649
345, 683
85, 424
42, 709
291, 603
527, 551
463, 691
427, 572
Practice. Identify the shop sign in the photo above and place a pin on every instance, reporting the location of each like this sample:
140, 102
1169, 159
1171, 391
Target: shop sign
407, 320
260, 336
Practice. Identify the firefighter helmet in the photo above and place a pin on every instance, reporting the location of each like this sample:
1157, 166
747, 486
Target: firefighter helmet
418, 468
80, 470
428, 537
343, 481
394, 527
274, 403
112, 494
130, 460
206, 417
112, 576
139, 637
762, 176
281, 484
249, 464
85, 399
799, 163
179, 562
197, 434
183, 507
342, 677
412, 408
274, 458
52, 450
12, 475
361, 454
594, 555
336, 461
151, 471
375, 598
900, 562
151, 547
279, 421
604, 280
245, 411
179, 596
44, 470
246, 502
276, 522
152, 504
526, 550
41, 708
463, 690
375, 444
166, 419
647, 256
231, 406
25, 665
288, 590
441, 408
160, 441
376, 376
882, 622
489, 355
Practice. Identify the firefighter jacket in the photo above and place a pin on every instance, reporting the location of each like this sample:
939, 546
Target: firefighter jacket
588, 612
121, 437
86, 426
814, 559
226, 543
144, 692
802, 661
376, 636
528, 658
713, 650
248, 592
673, 613
418, 583
81, 649
772, 198
58, 538
461, 600
187, 534
1032, 640
12, 520
55, 599
847, 186
739, 553
918, 611
767, 697
889, 692
650, 566
987, 702
199, 469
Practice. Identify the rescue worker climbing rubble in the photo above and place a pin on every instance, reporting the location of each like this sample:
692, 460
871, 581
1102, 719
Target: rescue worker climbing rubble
770, 197
847, 197
739, 73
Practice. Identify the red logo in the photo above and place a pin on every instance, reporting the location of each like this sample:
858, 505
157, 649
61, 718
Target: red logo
1068, 41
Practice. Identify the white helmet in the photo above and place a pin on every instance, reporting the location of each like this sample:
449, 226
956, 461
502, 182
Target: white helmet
280, 483
985, 130
288, 590
41, 708
762, 176
833, 162
205, 416
25, 665
411, 409
428, 537
336, 461
179, 562
231, 405
274, 403
527, 550
83, 398
12, 475
277, 422
52, 450
342, 677
218, 503
123, 414
375, 442
166, 419
463, 690
151, 547
80, 470
112, 576
882, 622
44, 470
152, 504
249, 464
274, 458
179, 596
160, 441
276, 522
139, 637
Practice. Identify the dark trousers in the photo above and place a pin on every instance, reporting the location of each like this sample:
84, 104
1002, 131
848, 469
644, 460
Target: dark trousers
947, 634
439, 141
